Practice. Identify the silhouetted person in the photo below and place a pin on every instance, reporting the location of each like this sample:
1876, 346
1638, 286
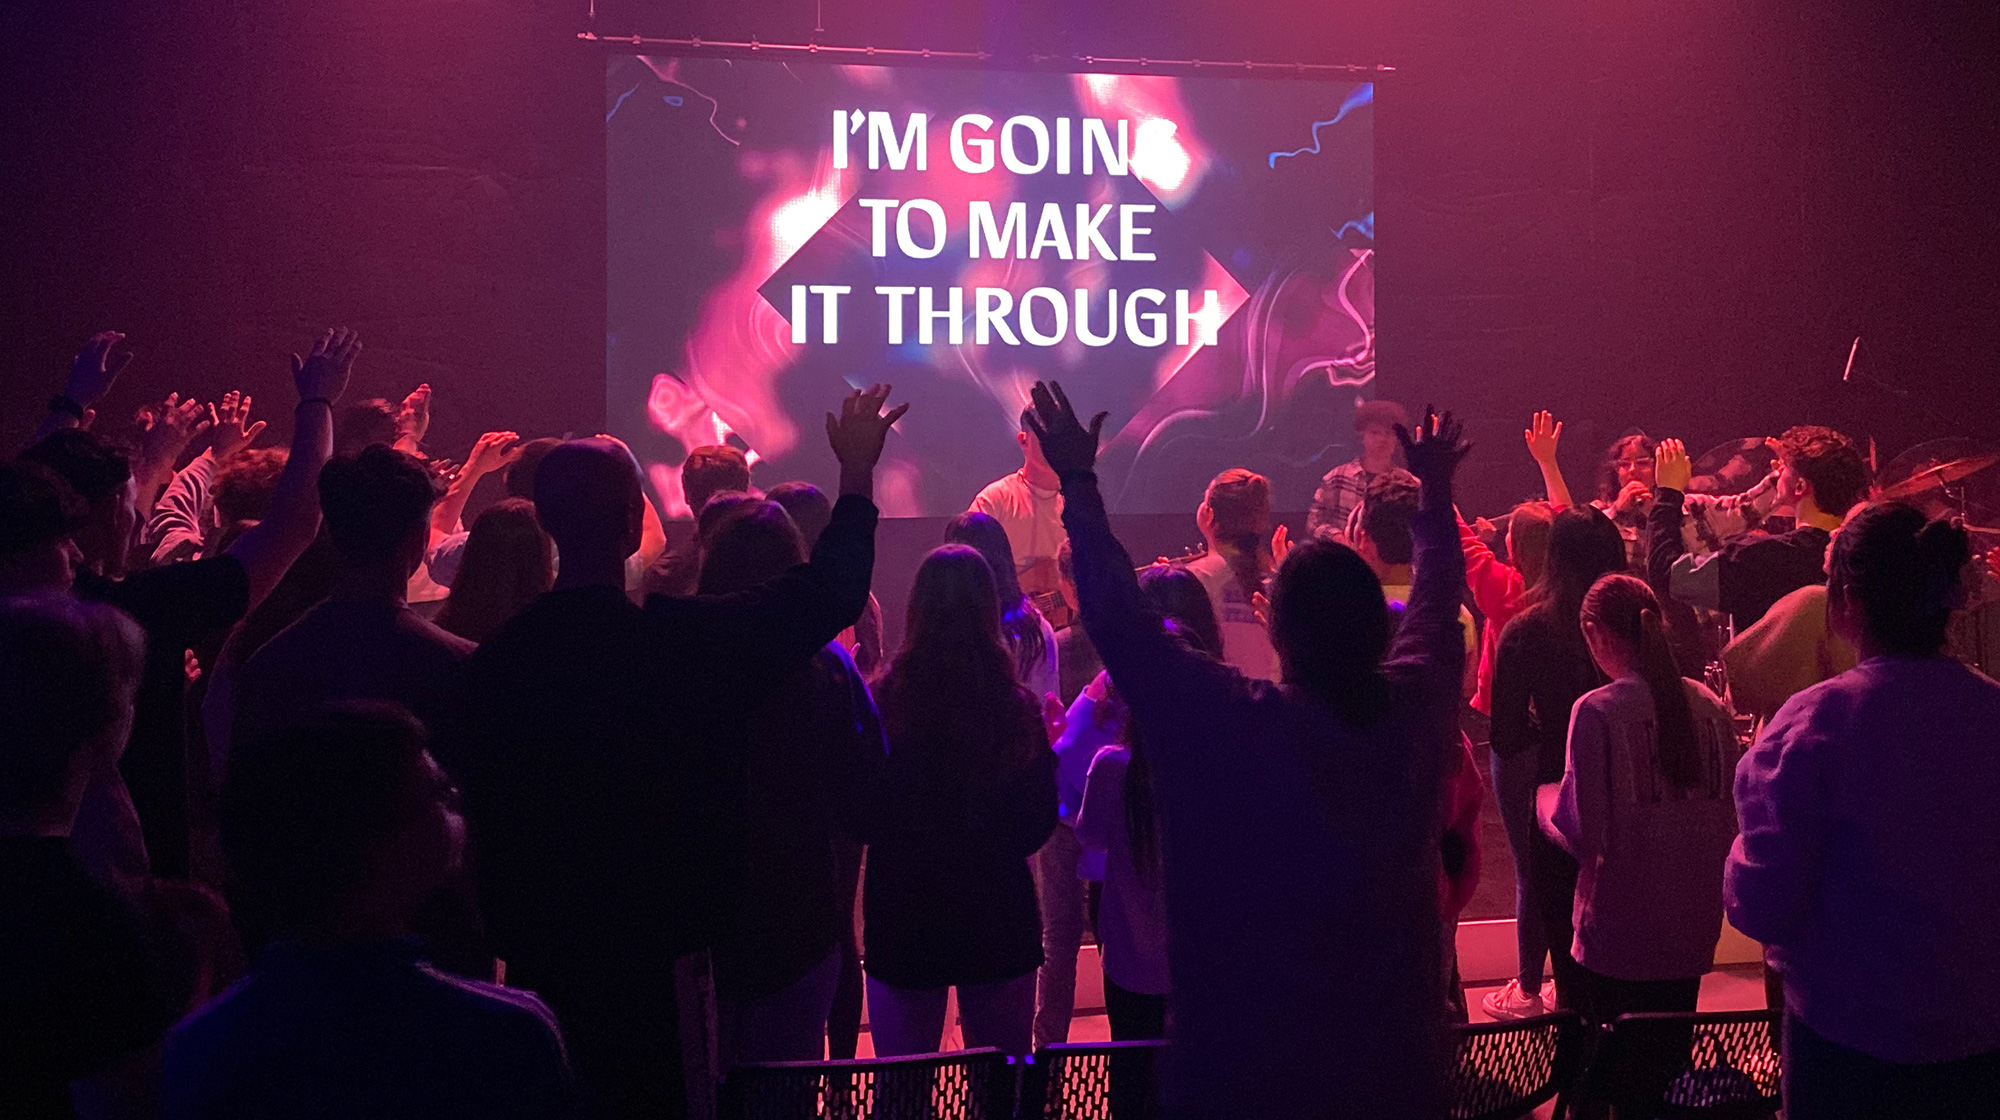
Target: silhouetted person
183, 605
815, 742
1869, 861
603, 741
1299, 819
509, 562
84, 994
967, 796
339, 826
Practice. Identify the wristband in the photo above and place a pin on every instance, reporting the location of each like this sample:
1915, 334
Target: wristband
328, 402
62, 402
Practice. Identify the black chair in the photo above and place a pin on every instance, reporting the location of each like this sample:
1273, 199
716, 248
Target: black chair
962, 1085
1091, 1081
1506, 1070
1719, 1065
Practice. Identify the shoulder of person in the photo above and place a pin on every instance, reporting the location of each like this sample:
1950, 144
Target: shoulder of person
1112, 760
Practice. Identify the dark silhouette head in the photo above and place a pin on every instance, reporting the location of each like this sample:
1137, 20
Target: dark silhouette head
808, 506
520, 474
1330, 625
707, 470
1387, 508
68, 674
1895, 578
364, 424
509, 562
1020, 623
377, 505
340, 823
1181, 599
753, 544
101, 475
38, 512
1584, 546
244, 483
590, 501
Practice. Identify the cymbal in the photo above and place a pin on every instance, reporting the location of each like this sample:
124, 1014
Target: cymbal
1733, 467
1938, 474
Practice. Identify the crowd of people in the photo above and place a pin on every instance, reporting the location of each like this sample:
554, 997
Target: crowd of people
316, 802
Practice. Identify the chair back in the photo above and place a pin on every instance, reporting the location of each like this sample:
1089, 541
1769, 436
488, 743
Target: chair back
962, 1085
1707, 1065
1506, 1069
1092, 1081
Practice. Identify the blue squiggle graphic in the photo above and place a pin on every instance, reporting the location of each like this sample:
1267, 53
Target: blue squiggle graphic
619, 104
1363, 94
674, 99
1364, 225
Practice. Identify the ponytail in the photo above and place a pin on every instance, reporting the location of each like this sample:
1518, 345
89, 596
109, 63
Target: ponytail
1906, 572
1625, 608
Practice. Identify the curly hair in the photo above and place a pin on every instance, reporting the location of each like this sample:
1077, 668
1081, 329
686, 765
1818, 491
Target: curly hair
1830, 462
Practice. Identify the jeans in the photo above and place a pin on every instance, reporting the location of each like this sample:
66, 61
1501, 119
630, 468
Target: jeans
1827, 1081
1063, 913
1514, 792
1000, 1014
788, 1025
1553, 881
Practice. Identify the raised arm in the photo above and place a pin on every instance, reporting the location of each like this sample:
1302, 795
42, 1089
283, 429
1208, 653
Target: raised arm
773, 627
1544, 433
91, 375
1496, 585
1143, 660
490, 452
1430, 642
268, 548
1664, 545
175, 529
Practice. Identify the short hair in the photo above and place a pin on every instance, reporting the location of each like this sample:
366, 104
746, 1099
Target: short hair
520, 475
1830, 462
304, 806
1387, 508
1380, 414
36, 507
244, 482
808, 506
365, 423
92, 466
707, 470
374, 502
752, 543
1905, 570
592, 487
68, 672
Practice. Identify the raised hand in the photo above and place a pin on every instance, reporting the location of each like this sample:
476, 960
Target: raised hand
1543, 433
230, 428
1671, 469
169, 427
858, 433
95, 368
1281, 544
322, 374
414, 419
491, 452
1434, 451
1069, 447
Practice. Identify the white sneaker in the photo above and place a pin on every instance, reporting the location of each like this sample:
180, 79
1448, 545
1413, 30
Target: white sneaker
1510, 1002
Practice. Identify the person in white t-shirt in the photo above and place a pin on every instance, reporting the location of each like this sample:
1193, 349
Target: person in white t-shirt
1235, 520
1028, 504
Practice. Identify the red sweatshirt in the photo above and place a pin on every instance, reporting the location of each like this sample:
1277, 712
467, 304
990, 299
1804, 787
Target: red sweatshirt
1497, 590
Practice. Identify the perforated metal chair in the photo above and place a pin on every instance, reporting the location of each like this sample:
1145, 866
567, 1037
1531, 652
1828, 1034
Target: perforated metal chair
1091, 1081
962, 1085
1720, 1065
1506, 1070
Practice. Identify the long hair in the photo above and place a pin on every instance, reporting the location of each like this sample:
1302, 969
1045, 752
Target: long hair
1330, 625
509, 562
1584, 546
753, 541
1625, 609
1528, 539
1240, 501
1020, 623
1906, 572
1607, 478
1180, 598
951, 688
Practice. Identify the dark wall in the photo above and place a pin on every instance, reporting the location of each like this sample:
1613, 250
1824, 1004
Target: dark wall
1667, 213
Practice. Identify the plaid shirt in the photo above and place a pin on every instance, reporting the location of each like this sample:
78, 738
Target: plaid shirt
1338, 496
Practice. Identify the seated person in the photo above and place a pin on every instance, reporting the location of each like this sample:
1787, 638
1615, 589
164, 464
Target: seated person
338, 827
84, 995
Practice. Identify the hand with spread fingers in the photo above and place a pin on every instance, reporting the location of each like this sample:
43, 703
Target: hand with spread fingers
1671, 468
230, 428
1434, 451
1069, 447
858, 435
